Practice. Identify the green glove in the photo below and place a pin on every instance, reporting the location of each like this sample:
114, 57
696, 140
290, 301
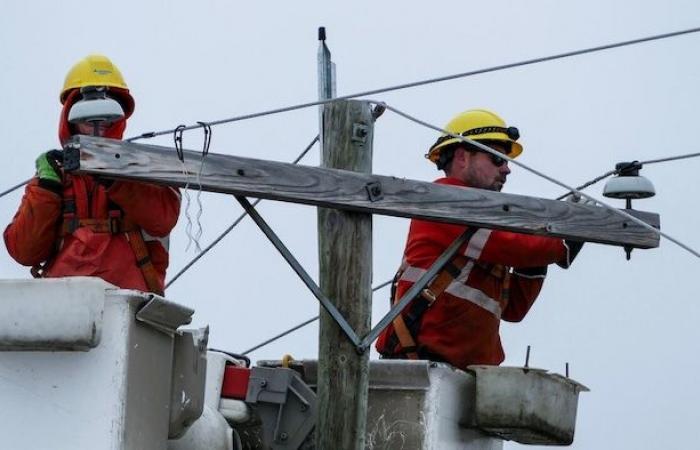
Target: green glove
48, 169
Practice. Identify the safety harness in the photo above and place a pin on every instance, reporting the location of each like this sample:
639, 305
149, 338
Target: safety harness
115, 223
407, 325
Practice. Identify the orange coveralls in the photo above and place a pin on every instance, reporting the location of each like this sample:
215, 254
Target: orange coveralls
37, 232
461, 326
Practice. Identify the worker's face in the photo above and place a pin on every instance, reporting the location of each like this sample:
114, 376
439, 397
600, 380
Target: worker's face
480, 170
91, 129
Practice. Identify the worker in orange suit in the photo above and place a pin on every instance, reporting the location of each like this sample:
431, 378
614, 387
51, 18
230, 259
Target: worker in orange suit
495, 275
70, 225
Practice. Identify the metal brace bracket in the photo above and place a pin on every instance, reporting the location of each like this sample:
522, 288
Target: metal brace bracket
359, 133
303, 275
286, 404
71, 156
374, 191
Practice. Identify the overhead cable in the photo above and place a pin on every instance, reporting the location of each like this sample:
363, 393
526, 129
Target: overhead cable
235, 222
590, 183
14, 188
583, 186
301, 325
655, 37
526, 62
542, 175
639, 163
670, 158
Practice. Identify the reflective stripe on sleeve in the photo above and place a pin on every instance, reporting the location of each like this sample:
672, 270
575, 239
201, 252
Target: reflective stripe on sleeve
476, 243
164, 241
412, 274
529, 277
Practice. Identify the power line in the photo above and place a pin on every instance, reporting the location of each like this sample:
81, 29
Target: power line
301, 325
640, 163
233, 225
583, 186
526, 62
542, 175
14, 188
153, 134
589, 183
670, 158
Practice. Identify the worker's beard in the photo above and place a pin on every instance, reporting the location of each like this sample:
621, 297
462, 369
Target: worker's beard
477, 179
498, 184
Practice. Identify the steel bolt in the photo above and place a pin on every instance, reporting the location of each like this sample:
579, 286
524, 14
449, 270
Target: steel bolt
284, 436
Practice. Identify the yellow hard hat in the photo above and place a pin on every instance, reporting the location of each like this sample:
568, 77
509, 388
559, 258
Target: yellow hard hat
478, 125
98, 70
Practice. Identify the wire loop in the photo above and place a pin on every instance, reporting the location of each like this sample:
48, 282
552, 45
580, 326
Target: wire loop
207, 138
177, 138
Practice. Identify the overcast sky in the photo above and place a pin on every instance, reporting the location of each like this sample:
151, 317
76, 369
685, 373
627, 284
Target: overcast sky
628, 329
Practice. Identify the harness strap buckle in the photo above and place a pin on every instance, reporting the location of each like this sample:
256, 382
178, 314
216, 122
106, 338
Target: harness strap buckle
143, 261
429, 295
70, 223
115, 221
114, 225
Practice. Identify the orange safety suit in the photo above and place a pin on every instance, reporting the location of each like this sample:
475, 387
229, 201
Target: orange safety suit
501, 278
51, 227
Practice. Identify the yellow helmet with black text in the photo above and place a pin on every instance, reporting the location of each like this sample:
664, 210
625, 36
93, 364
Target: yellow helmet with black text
98, 70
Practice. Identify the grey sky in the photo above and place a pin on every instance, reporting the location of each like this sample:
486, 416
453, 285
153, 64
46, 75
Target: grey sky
628, 329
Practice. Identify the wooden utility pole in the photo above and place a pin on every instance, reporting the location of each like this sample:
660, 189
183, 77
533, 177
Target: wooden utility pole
345, 261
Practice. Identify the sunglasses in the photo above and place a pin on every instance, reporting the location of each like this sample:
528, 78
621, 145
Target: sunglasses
497, 160
498, 146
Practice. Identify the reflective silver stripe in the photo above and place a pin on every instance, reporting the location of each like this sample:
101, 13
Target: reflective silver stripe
412, 274
476, 243
568, 255
475, 296
164, 241
530, 277
464, 273
458, 288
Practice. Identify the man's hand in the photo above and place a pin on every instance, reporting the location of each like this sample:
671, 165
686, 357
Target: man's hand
48, 170
574, 247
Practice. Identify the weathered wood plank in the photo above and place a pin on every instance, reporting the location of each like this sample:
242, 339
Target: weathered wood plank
345, 266
376, 194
